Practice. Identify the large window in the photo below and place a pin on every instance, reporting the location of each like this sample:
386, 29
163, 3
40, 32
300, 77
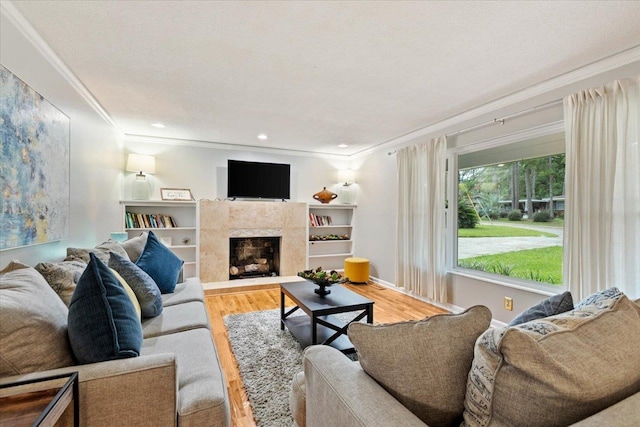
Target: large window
511, 210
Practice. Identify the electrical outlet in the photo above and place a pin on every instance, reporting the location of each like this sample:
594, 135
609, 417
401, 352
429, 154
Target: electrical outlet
508, 303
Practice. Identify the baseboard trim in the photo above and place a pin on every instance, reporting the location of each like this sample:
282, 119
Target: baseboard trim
446, 306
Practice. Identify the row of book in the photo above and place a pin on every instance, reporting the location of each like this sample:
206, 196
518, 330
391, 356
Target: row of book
319, 220
138, 220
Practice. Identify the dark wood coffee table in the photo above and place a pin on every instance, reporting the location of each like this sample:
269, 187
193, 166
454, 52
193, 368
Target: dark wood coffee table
320, 326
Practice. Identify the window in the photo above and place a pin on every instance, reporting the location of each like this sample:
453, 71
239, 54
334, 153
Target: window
511, 209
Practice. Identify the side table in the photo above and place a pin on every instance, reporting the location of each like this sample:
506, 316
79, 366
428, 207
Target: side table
39, 404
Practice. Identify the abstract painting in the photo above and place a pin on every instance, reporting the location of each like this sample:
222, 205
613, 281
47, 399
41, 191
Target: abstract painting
34, 166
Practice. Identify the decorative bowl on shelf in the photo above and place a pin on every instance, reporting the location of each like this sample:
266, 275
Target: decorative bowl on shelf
322, 279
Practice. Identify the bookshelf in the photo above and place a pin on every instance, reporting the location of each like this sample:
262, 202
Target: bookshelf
171, 221
330, 235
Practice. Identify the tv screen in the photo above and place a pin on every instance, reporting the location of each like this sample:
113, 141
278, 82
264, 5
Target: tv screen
256, 180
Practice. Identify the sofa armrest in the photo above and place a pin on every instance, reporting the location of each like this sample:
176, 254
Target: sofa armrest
339, 392
135, 391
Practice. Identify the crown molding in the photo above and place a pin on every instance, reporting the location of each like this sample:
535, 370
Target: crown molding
610, 63
232, 147
16, 18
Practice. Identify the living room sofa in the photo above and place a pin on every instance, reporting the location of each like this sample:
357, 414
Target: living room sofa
581, 368
175, 380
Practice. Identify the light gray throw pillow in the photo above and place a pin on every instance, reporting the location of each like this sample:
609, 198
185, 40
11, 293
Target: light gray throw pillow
423, 364
134, 246
101, 252
33, 323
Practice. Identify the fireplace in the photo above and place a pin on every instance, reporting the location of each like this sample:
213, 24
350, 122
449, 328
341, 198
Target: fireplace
254, 257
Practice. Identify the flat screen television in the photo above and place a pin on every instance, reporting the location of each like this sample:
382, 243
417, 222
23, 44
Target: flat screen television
257, 180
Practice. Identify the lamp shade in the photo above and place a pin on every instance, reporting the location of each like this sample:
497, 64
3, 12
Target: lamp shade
141, 163
347, 176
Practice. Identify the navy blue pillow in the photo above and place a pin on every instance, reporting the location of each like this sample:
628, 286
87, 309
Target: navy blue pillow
103, 323
146, 290
551, 306
161, 264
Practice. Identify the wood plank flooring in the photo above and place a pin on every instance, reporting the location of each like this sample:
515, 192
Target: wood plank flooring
390, 306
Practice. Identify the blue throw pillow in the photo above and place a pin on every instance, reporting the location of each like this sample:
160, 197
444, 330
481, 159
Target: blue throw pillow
160, 263
146, 290
103, 323
551, 306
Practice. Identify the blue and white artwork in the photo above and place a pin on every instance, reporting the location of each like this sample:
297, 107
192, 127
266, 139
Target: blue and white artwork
34, 166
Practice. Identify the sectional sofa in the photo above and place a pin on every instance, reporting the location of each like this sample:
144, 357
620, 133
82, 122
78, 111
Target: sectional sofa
580, 367
172, 377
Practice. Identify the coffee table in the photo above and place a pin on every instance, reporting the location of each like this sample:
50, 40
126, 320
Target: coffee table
320, 326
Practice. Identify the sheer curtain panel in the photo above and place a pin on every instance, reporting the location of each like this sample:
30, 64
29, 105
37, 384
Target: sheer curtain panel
421, 210
602, 217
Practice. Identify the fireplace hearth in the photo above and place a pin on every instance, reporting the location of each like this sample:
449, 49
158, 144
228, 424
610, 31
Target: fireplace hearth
254, 257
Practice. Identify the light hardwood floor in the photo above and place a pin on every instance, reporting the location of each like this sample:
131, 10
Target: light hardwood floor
390, 306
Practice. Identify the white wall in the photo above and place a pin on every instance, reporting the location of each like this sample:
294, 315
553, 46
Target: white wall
96, 155
204, 170
377, 177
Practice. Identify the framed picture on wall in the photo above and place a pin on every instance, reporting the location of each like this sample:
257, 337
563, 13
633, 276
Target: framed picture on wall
35, 181
176, 194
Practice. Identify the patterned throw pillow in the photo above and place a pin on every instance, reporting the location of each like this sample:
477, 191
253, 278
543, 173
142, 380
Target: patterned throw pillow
101, 252
62, 276
143, 286
429, 375
551, 306
103, 323
161, 264
577, 363
33, 323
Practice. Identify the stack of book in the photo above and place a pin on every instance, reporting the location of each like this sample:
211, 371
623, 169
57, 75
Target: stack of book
319, 220
138, 220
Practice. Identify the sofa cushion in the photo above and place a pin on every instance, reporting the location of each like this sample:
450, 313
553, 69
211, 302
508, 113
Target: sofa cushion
33, 323
101, 251
190, 290
201, 384
134, 246
160, 263
142, 284
423, 364
555, 304
572, 365
176, 318
62, 276
103, 324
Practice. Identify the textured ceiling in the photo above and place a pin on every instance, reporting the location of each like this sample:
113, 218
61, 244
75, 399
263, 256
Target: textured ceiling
312, 75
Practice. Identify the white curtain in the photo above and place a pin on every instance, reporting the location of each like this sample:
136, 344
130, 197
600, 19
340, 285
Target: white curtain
421, 213
602, 217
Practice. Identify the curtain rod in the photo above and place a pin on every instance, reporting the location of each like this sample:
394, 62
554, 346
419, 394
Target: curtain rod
496, 121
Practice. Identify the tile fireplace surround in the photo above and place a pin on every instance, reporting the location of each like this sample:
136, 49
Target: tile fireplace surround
221, 220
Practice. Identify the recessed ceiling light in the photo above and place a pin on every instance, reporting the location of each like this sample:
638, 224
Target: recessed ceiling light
262, 136
157, 125
342, 145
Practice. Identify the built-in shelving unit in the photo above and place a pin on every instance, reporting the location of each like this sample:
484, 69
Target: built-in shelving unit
330, 220
184, 227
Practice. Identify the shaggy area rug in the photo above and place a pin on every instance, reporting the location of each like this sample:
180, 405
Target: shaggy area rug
268, 359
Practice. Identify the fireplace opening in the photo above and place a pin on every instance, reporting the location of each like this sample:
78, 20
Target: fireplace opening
254, 257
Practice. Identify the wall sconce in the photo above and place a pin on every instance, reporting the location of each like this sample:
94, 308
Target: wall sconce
347, 195
140, 163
